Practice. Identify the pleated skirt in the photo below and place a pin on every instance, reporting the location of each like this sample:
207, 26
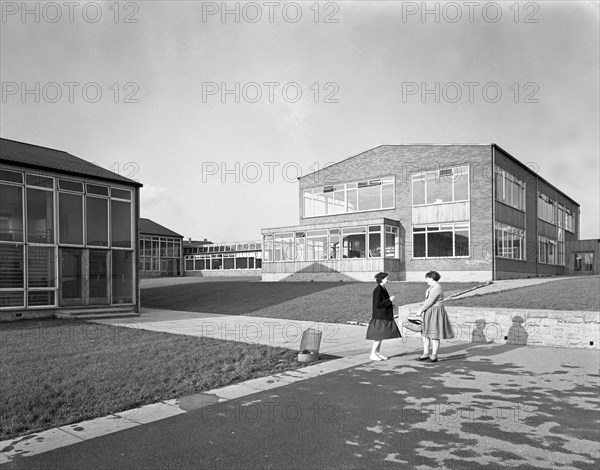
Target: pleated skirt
382, 329
436, 324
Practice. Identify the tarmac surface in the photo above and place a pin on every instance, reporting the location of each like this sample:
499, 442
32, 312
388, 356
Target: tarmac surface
480, 406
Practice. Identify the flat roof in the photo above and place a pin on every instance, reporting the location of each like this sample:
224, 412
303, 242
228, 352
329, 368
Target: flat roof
45, 159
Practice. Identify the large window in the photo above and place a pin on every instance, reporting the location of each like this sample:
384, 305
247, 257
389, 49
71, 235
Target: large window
97, 221
547, 250
546, 208
354, 242
440, 186
441, 241
510, 190
569, 220
120, 223
161, 256
510, 242
11, 214
316, 245
375, 194
70, 213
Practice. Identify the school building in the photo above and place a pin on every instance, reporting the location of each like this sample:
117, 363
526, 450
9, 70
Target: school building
204, 258
473, 212
68, 235
160, 250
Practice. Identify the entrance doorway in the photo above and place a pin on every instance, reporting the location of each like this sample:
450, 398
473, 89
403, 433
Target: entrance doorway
84, 277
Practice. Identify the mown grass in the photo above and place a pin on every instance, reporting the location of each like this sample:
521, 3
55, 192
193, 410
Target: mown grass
564, 294
58, 372
315, 301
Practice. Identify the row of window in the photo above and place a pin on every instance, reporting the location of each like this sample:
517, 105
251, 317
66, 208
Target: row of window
160, 246
373, 241
555, 213
223, 261
34, 213
223, 247
441, 241
441, 186
510, 190
510, 242
349, 197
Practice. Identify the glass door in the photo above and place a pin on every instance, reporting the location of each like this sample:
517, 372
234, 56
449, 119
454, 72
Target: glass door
83, 277
98, 277
71, 276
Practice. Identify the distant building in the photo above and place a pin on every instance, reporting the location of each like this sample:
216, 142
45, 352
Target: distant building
471, 212
67, 235
204, 258
160, 250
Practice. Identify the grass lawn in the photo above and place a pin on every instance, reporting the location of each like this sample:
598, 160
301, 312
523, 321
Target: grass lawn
57, 372
315, 301
564, 294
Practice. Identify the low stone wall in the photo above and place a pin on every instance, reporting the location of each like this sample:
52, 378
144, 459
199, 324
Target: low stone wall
567, 329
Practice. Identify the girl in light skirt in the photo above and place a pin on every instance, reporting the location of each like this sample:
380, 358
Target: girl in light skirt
435, 324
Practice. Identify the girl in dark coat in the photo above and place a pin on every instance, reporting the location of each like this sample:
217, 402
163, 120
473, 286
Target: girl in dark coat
382, 325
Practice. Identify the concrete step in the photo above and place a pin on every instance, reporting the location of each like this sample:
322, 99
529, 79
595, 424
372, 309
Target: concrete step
97, 313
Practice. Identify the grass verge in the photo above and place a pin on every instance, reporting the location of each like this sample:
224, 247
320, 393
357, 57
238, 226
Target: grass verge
565, 294
59, 372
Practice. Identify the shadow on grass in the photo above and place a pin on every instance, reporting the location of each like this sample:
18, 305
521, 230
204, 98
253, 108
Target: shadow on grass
233, 298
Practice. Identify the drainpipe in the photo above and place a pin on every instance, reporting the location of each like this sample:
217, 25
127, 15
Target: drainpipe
493, 212
537, 228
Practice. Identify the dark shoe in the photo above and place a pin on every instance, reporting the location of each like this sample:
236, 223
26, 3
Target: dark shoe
433, 360
426, 358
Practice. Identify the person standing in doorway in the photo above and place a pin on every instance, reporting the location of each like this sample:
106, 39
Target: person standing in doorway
382, 325
435, 324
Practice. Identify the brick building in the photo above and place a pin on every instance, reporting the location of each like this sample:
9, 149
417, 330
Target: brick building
470, 211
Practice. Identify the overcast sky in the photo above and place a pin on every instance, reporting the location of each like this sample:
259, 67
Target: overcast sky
217, 108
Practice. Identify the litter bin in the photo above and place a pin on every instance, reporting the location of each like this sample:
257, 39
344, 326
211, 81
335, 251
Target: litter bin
309, 345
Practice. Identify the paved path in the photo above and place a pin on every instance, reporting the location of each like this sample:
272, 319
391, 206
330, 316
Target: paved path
492, 406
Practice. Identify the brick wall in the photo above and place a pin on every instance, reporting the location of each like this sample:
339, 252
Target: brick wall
402, 161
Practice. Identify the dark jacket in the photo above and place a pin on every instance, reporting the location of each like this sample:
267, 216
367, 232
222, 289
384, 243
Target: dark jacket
382, 305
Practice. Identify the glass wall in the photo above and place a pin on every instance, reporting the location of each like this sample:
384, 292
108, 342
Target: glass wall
228, 256
510, 242
160, 256
368, 241
375, 194
48, 227
441, 241
440, 186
